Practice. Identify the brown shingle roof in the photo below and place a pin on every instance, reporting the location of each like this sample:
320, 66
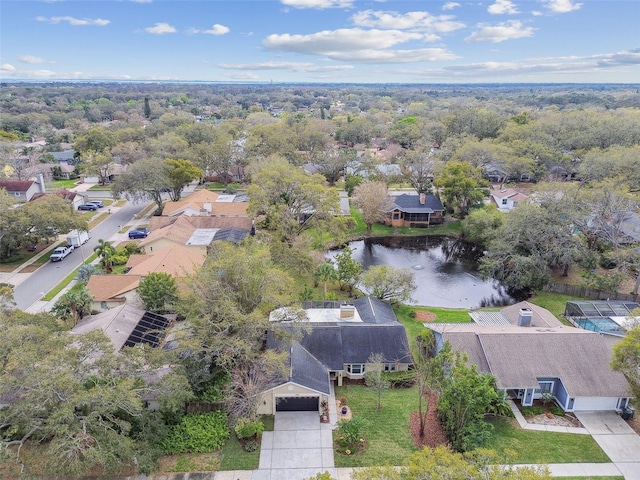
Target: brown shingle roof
179, 231
16, 185
107, 287
117, 323
156, 223
194, 201
177, 260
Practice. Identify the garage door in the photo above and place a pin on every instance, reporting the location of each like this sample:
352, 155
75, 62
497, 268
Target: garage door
297, 404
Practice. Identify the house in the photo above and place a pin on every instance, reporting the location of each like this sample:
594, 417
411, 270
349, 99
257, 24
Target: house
338, 345
66, 157
570, 363
126, 326
111, 291
194, 232
176, 260
208, 203
64, 171
534, 316
506, 198
495, 173
23, 190
415, 211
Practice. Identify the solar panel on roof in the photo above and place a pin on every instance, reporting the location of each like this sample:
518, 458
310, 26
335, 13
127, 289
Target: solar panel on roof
150, 330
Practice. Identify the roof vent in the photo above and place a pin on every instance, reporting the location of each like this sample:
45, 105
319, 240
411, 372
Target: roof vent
524, 317
347, 311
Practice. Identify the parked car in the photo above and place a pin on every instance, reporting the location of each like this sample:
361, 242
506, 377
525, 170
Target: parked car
138, 233
88, 206
97, 203
60, 253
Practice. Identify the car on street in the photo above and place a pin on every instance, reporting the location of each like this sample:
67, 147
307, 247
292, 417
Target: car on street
60, 253
88, 206
97, 203
138, 233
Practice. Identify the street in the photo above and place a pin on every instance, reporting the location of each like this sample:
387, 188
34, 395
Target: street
49, 275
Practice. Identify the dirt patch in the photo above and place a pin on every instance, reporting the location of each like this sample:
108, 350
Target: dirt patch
635, 423
557, 420
424, 316
433, 433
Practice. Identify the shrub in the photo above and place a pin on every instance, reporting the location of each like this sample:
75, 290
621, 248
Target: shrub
245, 428
532, 411
413, 314
557, 411
251, 446
349, 435
198, 433
402, 379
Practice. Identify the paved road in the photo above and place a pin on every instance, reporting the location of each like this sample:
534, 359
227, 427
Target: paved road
50, 274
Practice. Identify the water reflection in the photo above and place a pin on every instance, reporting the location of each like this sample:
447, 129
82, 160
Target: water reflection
445, 269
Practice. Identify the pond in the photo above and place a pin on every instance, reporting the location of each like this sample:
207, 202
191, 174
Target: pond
445, 269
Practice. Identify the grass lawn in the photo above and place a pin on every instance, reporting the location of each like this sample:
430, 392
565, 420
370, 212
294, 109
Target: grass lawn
588, 478
443, 315
453, 228
529, 446
57, 184
233, 455
386, 431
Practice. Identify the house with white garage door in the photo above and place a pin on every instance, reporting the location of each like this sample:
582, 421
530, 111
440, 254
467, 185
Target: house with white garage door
337, 344
570, 363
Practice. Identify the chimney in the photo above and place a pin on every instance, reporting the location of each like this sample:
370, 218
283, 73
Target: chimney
347, 311
524, 317
41, 183
423, 198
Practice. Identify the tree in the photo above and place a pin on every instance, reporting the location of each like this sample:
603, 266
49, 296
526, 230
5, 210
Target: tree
374, 376
326, 272
145, 179
462, 406
73, 305
97, 163
147, 108
482, 225
417, 168
349, 270
158, 292
373, 201
626, 358
289, 198
460, 185
393, 285
332, 163
181, 173
106, 252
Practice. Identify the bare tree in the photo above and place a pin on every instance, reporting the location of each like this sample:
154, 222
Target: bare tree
374, 376
373, 200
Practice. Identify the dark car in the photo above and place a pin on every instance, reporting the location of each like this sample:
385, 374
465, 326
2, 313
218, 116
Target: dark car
138, 233
97, 203
88, 206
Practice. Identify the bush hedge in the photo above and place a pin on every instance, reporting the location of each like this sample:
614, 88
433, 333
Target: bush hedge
402, 379
198, 433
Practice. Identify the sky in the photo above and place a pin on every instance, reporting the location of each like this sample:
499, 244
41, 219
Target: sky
322, 41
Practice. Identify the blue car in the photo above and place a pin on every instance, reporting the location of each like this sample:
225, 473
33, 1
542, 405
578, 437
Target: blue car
88, 206
138, 233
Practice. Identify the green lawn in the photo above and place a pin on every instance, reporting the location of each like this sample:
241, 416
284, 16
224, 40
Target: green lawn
443, 315
233, 455
530, 446
450, 228
57, 184
386, 431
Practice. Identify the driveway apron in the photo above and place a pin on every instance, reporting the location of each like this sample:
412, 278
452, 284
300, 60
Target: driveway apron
616, 438
299, 447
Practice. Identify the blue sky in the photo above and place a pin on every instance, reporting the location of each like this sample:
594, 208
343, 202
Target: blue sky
418, 41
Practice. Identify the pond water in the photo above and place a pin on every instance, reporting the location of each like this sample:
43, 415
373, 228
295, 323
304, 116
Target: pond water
445, 269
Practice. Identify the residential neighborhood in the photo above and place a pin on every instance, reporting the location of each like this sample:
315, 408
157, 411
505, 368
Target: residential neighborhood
222, 281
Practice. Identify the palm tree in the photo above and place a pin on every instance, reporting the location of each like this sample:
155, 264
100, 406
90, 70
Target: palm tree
106, 252
326, 272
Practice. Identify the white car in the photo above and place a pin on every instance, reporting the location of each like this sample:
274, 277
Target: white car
60, 253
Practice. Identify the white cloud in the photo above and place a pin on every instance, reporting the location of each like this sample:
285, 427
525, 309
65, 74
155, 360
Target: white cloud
292, 66
7, 67
160, 29
318, 4
100, 22
142, 1
562, 6
215, 29
406, 21
499, 33
241, 77
331, 41
31, 59
502, 7
450, 5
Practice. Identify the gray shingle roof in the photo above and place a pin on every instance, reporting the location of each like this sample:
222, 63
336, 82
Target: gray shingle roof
411, 203
360, 341
308, 371
372, 310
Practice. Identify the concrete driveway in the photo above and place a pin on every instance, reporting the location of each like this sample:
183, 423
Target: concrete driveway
299, 447
616, 438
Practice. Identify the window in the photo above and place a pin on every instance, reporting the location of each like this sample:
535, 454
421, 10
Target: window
504, 201
355, 368
103, 305
389, 367
545, 386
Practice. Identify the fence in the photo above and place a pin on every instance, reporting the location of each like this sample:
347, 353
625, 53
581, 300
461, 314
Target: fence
203, 407
584, 292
